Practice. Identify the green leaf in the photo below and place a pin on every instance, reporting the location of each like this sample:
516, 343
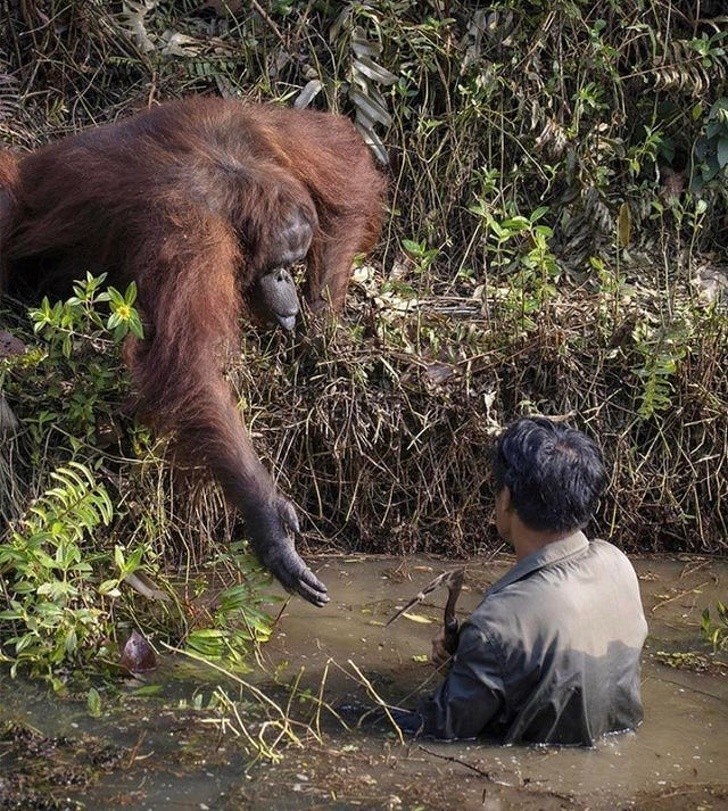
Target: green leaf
207, 642
624, 225
415, 248
119, 557
722, 153
110, 588
369, 68
93, 702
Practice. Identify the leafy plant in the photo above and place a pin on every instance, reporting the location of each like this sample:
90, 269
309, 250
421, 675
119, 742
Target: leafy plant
421, 255
78, 368
61, 571
78, 318
238, 619
711, 148
53, 558
366, 76
47, 569
520, 247
661, 348
715, 632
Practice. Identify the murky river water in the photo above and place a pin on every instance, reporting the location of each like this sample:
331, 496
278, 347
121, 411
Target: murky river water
162, 756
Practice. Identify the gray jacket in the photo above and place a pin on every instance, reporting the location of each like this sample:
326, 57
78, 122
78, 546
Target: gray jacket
551, 654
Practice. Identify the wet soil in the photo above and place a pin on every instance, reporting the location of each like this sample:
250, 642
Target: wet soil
183, 748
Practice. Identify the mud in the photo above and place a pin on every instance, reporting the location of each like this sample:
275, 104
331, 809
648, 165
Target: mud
174, 750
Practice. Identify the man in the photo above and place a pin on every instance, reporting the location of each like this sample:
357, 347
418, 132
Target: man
552, 653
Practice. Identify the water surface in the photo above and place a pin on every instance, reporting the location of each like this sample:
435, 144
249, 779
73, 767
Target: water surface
152, 753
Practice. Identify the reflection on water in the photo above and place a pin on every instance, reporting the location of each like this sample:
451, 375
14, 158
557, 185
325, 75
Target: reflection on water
677, 759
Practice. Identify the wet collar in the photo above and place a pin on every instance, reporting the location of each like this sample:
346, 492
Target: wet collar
551, 553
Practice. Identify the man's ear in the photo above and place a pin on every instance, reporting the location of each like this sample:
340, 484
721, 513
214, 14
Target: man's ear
505, 496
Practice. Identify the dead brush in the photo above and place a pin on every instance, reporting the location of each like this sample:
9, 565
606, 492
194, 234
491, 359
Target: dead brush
472, 316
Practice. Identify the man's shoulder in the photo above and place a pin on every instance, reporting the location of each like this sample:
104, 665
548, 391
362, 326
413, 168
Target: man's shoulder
607, 551
606, 547
551, 587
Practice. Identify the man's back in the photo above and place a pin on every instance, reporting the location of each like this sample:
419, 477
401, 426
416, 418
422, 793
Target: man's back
551, 654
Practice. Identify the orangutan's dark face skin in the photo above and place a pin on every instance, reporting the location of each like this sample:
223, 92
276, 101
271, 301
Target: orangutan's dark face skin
276, 290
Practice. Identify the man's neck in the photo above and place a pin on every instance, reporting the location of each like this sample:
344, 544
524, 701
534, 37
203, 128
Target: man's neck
526, 540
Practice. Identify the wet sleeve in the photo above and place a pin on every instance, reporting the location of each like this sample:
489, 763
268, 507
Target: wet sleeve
471, 695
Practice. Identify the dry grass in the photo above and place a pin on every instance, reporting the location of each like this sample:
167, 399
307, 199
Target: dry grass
380, 429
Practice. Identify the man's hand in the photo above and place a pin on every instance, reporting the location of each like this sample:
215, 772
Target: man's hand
440, 654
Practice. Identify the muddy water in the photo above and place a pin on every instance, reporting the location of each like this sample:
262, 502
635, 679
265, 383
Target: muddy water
163, 757
681, 748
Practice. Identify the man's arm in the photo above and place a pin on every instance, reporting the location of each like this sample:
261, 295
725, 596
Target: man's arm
471, 695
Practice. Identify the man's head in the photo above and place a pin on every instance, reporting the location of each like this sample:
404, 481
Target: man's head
554, 475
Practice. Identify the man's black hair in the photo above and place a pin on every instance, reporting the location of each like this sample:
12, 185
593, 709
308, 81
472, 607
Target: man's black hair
555, 474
